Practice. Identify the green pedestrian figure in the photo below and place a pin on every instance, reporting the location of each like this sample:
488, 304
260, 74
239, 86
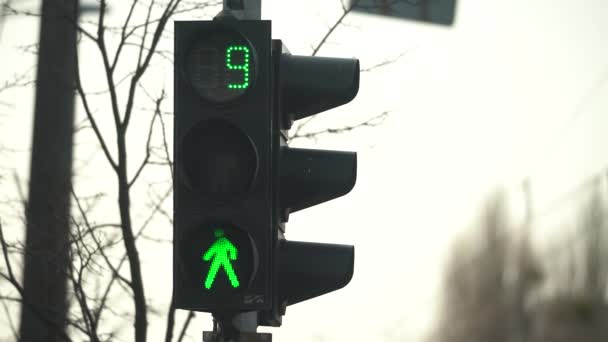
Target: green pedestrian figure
222, 251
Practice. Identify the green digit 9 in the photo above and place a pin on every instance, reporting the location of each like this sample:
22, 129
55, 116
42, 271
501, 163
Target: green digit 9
244, 67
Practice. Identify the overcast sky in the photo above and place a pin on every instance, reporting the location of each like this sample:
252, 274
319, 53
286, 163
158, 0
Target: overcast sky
513, 90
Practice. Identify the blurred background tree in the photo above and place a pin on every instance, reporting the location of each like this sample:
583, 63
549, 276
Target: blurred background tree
497, 287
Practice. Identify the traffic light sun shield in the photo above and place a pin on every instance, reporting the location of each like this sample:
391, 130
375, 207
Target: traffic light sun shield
311, 269
313, 84
310, 177
219, 160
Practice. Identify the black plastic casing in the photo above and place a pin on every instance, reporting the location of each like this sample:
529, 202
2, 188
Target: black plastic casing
250, 211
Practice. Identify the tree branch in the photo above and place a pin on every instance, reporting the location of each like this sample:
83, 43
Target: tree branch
123, 36
371, 122
191, 315
345, 12
141, 69
89, 113
148, 140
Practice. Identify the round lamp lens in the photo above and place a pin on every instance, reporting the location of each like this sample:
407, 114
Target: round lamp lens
220, 159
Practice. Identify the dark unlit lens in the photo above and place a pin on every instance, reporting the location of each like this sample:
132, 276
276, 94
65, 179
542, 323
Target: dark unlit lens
220, 159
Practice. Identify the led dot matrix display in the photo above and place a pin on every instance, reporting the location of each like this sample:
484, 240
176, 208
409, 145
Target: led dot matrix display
244, 66
220, 66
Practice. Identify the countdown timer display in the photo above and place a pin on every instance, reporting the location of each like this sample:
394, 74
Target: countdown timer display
220, 65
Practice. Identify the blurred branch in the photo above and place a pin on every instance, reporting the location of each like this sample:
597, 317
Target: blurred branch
3, 8
77, 279
166, 147
384, 63
91, 117
158, 103
11, 324
487, 284
371, 122
345, 12
100, 248
18, 81
123, 36
10, 277
8, 9
182, 333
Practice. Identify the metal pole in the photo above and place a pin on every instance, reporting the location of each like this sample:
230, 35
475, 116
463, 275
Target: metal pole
236, 328
47, 259
243, 9
246, 322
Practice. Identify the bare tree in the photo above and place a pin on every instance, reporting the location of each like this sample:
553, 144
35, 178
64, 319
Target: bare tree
577, 309
84, 245
487, 281
489, 286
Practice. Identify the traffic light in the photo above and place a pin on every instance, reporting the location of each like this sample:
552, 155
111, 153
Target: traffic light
236, 180
223, 152
304, 86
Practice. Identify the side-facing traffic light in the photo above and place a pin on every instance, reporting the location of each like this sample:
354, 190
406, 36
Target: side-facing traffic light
305, 86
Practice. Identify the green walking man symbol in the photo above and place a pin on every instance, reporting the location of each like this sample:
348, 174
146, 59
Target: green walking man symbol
222, 251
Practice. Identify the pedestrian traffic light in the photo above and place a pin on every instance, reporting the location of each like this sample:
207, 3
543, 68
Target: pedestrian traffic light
223, 152
236, 181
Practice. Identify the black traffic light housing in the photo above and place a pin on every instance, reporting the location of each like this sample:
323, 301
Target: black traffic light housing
236, 180
223, 154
